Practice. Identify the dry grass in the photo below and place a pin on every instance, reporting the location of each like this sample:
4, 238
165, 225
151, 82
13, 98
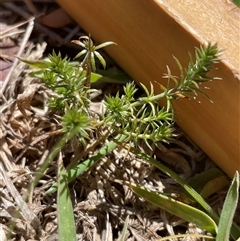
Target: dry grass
28, 131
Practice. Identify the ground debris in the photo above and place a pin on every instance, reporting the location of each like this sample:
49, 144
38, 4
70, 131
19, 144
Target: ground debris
28, 131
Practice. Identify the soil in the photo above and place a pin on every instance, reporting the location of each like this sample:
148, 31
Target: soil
27, 134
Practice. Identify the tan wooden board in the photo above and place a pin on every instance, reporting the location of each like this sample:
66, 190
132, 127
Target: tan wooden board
149, 32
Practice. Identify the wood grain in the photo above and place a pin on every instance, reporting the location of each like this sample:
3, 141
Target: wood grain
149, 32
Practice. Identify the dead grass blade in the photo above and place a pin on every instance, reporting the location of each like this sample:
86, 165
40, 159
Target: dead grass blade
26, 213
24, 42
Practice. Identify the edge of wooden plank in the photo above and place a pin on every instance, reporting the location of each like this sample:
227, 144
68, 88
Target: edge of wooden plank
148, 35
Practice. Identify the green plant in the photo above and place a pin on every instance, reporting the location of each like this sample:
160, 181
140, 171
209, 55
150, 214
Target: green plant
237, 2
127, 120
208, 220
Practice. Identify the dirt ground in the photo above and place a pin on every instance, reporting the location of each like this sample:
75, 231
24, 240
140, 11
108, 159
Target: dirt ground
27, 134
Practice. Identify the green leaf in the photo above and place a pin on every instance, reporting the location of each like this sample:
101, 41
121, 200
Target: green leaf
100, 58
177, 208
214, 186
200, 180
115, 76
178, 179
37, 74
84, 51
105, 79
208, 182
38, 64
228, 211
103, 45
82, 167
93, 64
66, 224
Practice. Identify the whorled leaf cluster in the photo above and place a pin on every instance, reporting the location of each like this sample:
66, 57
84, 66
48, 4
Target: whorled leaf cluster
136, 118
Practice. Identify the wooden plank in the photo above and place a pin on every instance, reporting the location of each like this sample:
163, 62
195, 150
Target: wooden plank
149, 32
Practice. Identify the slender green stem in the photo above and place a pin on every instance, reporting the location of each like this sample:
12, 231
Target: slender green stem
85, 165
53, 153
150, 99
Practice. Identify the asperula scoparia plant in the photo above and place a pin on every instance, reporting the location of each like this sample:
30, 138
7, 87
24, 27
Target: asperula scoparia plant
127, 118
136, 118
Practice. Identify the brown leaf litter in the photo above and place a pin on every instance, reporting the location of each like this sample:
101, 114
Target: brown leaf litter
28, 130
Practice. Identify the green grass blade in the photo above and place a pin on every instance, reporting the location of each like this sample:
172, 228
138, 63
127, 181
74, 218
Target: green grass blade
123, 235
37, 64
235, 231
177, 208
178, 179
228, 211
83, 166
66, 224
53, 153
